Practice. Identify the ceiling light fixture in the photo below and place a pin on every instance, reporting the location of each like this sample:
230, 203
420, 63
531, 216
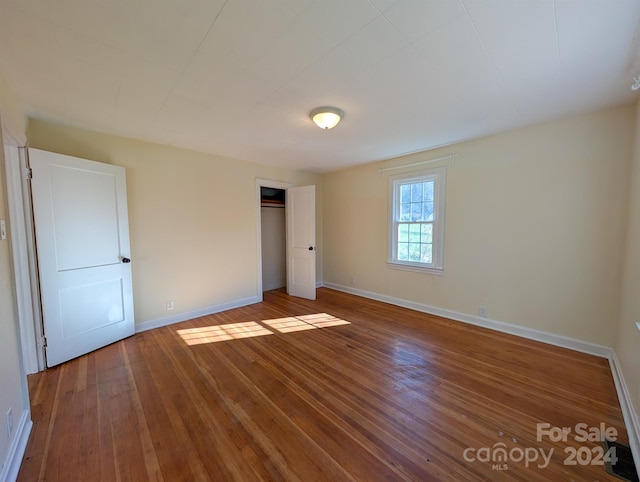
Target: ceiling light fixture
636, 83
326, 117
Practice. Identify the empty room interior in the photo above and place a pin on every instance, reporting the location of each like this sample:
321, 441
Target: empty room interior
320, 240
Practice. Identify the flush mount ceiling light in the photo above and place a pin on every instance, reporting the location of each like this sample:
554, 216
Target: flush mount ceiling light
326, 117
636, 83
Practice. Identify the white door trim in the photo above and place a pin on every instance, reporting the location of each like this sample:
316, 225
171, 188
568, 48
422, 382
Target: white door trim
13, 136
274, 185
22, 251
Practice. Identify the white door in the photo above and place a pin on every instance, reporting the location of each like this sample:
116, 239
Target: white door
82, 237
301, 241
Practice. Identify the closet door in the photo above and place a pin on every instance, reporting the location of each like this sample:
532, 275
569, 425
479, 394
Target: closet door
301, 242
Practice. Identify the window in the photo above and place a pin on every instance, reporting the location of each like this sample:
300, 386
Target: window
416, 228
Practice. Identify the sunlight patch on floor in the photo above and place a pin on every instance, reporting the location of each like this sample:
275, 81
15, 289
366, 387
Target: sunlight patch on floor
233, 331
288, 325
304, 322
230, 331
323, 320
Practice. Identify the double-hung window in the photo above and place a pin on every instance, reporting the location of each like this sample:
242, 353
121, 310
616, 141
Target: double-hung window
416, 227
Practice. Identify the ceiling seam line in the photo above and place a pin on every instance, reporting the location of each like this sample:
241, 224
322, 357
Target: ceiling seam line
555, 20
195, 52
495, 66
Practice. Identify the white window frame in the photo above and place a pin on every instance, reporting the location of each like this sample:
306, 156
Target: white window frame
438, 175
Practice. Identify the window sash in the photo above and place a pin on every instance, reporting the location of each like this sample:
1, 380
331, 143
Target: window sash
420, 244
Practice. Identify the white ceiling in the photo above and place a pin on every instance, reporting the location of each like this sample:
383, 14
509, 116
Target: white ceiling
239, 77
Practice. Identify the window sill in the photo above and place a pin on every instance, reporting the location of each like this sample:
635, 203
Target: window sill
415, 269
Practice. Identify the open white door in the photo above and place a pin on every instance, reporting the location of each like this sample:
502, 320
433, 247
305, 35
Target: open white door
82, 237
301, 242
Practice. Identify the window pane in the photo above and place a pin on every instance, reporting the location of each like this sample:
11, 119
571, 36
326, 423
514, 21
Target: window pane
405, 212
405, 193
403, 251
417, 200
427, 233
414, 251
427, 190
427, 211
403, 233
414, 233
416, 192
416, 211
426, 251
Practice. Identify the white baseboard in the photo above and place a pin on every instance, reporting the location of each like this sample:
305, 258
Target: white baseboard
189, 315
628, 411
523, 331
11, 467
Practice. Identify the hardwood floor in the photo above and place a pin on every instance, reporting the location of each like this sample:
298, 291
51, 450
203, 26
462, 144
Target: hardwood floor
364, 391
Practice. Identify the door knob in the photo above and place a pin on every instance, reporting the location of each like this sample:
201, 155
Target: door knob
126, 260
310, 248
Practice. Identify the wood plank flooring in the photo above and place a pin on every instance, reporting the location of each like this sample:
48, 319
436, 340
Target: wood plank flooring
339, 389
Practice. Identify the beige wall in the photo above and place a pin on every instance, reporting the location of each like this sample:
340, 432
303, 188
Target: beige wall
535, 227
628, 341
11, 378
10, 106
192, 217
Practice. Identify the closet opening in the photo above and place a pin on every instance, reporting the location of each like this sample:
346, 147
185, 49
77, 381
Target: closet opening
273, 234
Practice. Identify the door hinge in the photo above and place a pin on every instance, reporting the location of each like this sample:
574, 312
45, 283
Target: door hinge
42, 342
28, 173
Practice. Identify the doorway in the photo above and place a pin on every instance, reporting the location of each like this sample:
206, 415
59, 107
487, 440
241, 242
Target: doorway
299, 238
273, 185
273, 240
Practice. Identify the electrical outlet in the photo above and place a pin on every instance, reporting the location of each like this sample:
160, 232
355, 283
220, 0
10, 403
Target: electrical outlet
169, 305
353, 281
10, 421
3, 230
483, 311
